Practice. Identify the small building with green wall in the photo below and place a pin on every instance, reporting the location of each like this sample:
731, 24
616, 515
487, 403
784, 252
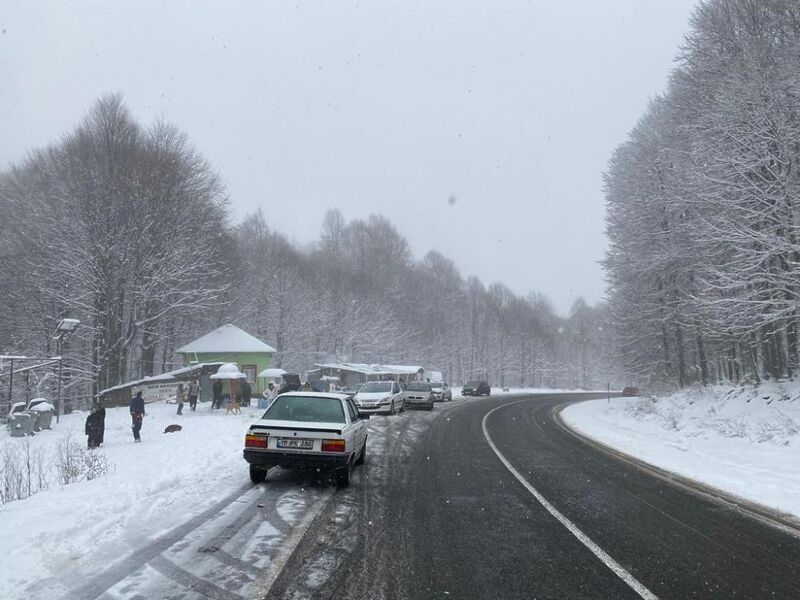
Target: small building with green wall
233, 345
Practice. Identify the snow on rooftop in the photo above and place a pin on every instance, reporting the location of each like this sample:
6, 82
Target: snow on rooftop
372, 369
168, 376
227, 338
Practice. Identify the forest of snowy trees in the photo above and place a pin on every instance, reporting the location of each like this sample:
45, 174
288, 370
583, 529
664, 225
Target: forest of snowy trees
127, 228
703, 206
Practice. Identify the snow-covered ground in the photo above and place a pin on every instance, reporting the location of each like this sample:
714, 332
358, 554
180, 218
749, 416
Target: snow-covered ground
743, 440
150, 488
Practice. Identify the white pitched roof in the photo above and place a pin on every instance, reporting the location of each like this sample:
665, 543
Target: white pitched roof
227, 338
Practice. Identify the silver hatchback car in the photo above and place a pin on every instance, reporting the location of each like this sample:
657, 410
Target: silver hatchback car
419, 394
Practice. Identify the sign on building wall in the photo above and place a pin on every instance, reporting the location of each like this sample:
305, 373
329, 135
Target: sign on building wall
157, 392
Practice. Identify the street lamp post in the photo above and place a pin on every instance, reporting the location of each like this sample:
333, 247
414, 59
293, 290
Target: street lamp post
64, 329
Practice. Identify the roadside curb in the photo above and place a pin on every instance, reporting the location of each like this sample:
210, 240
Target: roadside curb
784, 522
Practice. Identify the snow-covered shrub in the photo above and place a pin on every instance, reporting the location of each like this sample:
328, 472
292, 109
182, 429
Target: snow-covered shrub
778, 429
69, 456
22, 471
671, 419
95, 464
76, 463
641, 408
730, 428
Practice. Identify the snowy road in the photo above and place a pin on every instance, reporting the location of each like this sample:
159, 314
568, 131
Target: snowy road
439, 516
435, 514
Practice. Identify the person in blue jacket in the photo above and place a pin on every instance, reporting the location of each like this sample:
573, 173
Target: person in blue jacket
137, 415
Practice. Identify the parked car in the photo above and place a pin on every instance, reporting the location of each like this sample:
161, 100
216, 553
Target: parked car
380, 397
419, 394
290, 383
630, 391
476, 388
308, 430
441, 391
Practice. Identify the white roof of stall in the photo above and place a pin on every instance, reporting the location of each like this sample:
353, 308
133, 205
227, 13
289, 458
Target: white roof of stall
162, 378
227, 338
366, 369
272, 373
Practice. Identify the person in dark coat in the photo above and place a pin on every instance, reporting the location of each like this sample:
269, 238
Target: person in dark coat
179, 396
96, 425
137, 415
247, 392
216, 394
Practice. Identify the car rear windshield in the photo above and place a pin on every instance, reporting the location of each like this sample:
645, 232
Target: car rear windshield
418, 387
473, 384
436, 385
306, 409
376, 386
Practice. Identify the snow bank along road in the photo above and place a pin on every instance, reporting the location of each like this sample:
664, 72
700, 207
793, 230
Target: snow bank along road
438, 515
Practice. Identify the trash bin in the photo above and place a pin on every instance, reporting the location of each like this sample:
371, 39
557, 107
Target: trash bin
21, 424
44, 418
43, 411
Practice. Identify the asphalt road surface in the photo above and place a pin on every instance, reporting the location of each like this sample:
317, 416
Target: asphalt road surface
481, 498
436, 514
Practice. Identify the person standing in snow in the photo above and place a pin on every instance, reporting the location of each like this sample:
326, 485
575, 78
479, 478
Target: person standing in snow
271, 392
194, 392
137, 415
179, 398
247, 392
216, 394
95, 425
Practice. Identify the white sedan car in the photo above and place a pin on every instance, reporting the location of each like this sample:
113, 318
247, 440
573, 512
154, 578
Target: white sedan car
380, 396
308, 430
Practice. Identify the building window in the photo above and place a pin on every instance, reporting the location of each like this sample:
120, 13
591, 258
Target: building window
250, 372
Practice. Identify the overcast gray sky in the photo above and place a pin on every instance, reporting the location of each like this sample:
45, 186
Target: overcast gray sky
512, 108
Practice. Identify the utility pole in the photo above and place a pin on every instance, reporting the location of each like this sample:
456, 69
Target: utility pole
608, 401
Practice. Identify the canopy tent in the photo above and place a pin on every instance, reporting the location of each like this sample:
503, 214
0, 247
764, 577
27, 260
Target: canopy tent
228, 371
272, 373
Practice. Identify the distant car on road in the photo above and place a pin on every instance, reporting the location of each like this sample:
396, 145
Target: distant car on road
380, 397
441, 391
630, 391
291, 383
418, 394
476, 388
308, 430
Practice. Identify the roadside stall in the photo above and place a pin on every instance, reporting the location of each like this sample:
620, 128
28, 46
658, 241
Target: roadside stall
229, 372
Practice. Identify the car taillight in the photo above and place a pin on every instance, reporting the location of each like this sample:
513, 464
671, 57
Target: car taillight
255, 441
332, 446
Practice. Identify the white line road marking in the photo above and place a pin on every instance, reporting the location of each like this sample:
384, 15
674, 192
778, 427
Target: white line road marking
277, 564
573, 529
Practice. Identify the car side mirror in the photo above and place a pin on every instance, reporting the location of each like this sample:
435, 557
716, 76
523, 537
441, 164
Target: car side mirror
362, 415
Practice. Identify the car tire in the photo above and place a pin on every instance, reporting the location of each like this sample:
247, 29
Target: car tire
343, 477
363, 456
257, 474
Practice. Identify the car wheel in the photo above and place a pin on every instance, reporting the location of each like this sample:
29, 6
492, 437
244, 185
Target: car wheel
363, 456
257, 474
403, 406
343, 477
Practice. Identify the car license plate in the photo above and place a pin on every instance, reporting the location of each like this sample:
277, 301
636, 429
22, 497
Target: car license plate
296, 443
